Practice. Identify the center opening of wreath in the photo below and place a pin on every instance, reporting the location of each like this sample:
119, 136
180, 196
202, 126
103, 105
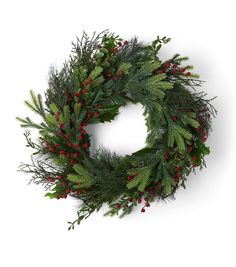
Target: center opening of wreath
124, 135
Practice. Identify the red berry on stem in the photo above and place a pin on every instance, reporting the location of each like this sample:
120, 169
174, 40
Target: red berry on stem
90, 115
85, 145
174, 118
139, 200
126, 42
58, 113
190, 148
188, 73
147, 204
75, 155
84, 91
70, 144
116, 77
61, 125
182, 69
174, 71
62, 152
57, 145
96, 113
142, 210
80, 137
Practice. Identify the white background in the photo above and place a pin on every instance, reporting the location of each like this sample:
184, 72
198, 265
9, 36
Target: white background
198, 228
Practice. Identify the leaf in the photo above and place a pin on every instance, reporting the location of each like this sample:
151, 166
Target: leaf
76, 109
100, 54
83, 177
167, 183
108, 113
66, 113
50, 120
125, 67
51, 195
186, 134
140, 179
53, 108
73, 178
192, 122
96, 72
180, 141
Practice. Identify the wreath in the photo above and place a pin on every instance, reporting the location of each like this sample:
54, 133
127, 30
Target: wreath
103, 73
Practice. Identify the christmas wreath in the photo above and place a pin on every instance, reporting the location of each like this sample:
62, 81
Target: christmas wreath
103, 73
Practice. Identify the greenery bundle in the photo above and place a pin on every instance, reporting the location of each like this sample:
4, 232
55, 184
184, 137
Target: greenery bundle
103, 73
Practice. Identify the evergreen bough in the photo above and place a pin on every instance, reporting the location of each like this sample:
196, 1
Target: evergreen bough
104, 73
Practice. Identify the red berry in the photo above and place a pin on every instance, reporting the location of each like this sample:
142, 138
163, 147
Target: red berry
130, 178
190, 148
75, 155
198, 129
77, 94
139, 200
194, 158
85, 145
59, 177
70, 144
67, 155
142, 210
174, 118
178, 168
175, 65
182, 69
174, 71
85, 124
188, 73
161, 71
166, 156
68, 191
126, 42
90, 80
63, 183
96, 113
147, 204
167, 66
72, 162
62, 152
204, 139
58, 113
85, 84
90, 115
84, 91
57, 145
61, 125
67, 136
116, 50
77, 145
116, 77
57, 119
80, 137
51, 149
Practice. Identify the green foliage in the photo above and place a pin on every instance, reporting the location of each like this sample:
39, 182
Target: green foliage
140, 179
83, 178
